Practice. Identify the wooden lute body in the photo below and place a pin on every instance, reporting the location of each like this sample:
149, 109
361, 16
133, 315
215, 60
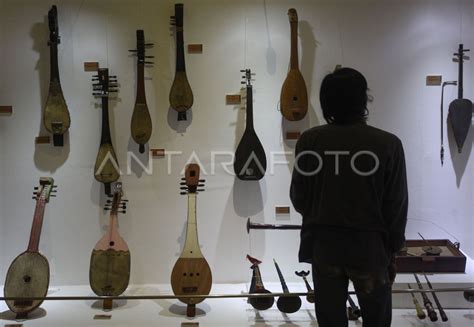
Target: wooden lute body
141, 126
250, 162
106, 169
181, 96
256, 287
56, 118
109, 271
191, 273
28, 275
294, 96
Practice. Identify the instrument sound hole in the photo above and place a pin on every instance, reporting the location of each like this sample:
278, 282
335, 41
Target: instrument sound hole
197, 274
111, 243
295, 98
184, 274
191, 274
27, 279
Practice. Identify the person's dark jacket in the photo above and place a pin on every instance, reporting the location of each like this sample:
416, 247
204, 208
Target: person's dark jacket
350, 217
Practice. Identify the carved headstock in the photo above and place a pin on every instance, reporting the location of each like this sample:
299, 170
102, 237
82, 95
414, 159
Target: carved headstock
141, 48
103, 83
191, 180
292, 15
247, 77
53, 26
44, 190
177, 19
117, 204
254, 261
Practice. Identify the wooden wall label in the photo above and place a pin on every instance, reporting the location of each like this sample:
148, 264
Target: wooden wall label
195, 48
91, 66
102, 317
234, 99
42, 140
189, 324
292, 135
159, 153
433, 80
6, 110
281, 210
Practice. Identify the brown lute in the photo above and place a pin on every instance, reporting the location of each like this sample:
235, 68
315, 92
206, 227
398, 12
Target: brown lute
256, 287
286, 304
56, 117
191, 274
181, 96
109, 272
294, 96
106, 169
141, 126
28, 275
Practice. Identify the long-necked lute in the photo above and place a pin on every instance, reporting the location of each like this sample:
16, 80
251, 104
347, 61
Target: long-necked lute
426, 302
141, 126
28, 275
294, 96
460, 110
109, 271
286, 304
250, 162
181, 95
191, 273
56, 117
303, 274
442, 313
256, 287
106, 168
419, 310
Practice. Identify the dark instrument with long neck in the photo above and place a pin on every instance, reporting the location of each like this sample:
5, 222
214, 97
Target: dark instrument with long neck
294, 97
256, 287
419, 310
56, 117
141, 126
251, 225
106, 168
28, 275
109, 271
181, 95
250, 162
353, 311
191, 273
303, 274
460, 110
286, 304
442, 313
426, 302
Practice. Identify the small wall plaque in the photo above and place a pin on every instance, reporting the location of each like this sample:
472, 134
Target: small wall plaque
42, 140
433, 80
195, 48
158, 153
234, 99
6, 110
282, 210
14, 325
189, 324
102, 317
91, 66
292, 135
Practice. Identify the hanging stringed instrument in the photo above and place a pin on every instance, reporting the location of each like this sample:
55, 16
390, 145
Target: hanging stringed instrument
256, 287
303, 274
56, 117
294, 96
181, 95
460, 110
106, 169
250, 162
141, 125
191, 274
28, 275
286, 304
109, 271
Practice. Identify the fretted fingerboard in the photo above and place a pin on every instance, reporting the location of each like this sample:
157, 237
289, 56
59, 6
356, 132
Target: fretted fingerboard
191, 246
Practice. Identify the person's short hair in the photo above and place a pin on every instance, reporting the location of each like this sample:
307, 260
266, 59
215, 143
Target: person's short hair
343, 96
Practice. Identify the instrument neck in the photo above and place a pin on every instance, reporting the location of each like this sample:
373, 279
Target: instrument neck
180, 64
257, 277
54, 67
105, 138
308, 287
460, 72
141, 83
35, 234
191, 246
282, 280
249, 108
294, 45
113, 223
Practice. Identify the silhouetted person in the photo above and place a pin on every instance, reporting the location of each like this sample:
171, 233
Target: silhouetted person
349, 184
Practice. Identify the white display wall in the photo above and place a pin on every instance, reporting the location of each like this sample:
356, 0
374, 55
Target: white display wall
394, 43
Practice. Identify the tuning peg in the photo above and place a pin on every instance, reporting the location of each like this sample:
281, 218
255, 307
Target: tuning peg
106, 209
183, 178
149, 56
124, 200
34, 197
183, 188
95, 76
149, 63
113, 91
201, 185
52, 195
242, 82
112, 76
182, 183
201, 190
35, 188
149, 44
133, 50
242, 70
109, 201
202, 180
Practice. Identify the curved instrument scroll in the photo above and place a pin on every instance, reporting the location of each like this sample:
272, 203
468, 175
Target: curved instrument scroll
106, 168
191, 273
294, 96
141, 126
56, 118
250, 162
181, 95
